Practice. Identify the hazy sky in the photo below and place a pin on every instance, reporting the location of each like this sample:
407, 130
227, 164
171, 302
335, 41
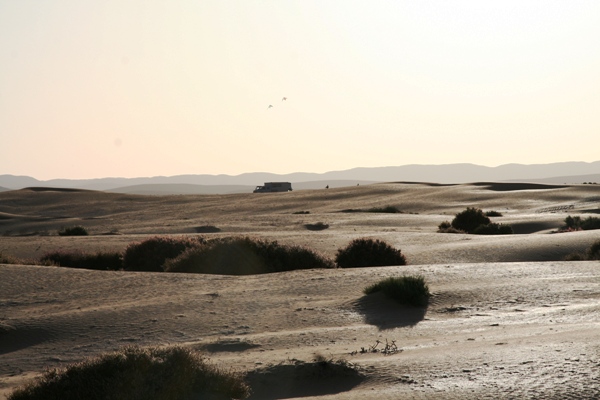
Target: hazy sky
144, 88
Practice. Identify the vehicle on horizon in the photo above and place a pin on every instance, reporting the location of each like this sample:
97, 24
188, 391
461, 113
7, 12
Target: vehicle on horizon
271, 187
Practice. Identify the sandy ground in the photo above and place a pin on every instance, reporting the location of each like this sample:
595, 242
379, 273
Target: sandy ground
507, 319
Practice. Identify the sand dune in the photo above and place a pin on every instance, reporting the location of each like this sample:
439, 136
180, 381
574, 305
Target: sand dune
507, 319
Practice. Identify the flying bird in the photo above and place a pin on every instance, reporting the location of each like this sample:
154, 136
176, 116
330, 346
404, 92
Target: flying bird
284, 99
270, 106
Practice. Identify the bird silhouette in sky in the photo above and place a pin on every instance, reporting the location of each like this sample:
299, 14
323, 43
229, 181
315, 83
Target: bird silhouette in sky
270, 106
284, 99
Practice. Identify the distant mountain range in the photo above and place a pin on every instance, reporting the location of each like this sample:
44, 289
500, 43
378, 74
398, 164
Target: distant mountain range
555, 173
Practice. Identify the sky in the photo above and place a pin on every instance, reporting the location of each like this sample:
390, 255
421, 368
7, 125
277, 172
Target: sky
113, 88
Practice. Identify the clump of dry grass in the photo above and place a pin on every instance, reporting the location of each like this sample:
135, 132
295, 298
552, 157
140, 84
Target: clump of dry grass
366, 252
245, 256
408, 290
103, 261
151, 254
133, 373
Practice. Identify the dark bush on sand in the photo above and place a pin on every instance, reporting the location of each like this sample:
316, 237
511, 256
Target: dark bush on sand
151, 254
474, 221
98, 261
576, 223
469, 219
406, 290
73, 231
493, 229
137, 374
593, 252
245, 256
366, 252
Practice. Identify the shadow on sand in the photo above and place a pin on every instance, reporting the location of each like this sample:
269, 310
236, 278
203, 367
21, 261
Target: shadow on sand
386, 313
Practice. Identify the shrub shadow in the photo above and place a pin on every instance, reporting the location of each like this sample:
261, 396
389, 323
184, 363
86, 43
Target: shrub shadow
385, 313
303, 379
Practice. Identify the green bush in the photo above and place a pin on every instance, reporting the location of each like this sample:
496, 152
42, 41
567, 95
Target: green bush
245, 256
151, 254
98, 261
73, 231
137, 374
365, 252
469, 219
407, 290
493, 229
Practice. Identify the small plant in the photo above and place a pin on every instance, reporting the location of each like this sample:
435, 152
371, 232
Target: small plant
151, 254
319, 226
8, 259
407, 290
136, 373
493, 229
207, 229
493, 214
593, 252
386, 209
366, 252
73, 231
469, 219
98, 261
577, 224
446, 227
245, 256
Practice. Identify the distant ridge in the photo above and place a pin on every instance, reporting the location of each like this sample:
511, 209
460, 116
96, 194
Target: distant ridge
555, 173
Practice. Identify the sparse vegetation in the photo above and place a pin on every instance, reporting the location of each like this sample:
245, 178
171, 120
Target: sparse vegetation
151, 254
446, 227
469, 219
99, 261
578, 224
207, 229
407, 290
73, 231
366, 252
493, 213
319, 226
8, 259
493, 229
136, 373
592, 253
245, 256
475, 221
386, 209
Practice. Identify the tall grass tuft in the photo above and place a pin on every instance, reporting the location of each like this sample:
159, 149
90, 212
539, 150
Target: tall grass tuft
246, 256
366, 252
151, 254
99, 261
406, 290
135, 373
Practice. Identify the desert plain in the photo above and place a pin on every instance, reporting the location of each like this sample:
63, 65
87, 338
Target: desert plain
507, 318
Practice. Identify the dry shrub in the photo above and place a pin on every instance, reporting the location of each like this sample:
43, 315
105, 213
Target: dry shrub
407, 290
246, 256
151, 254
73, 231
99, 261
135, 373
366, 252
469, 219
319, 226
